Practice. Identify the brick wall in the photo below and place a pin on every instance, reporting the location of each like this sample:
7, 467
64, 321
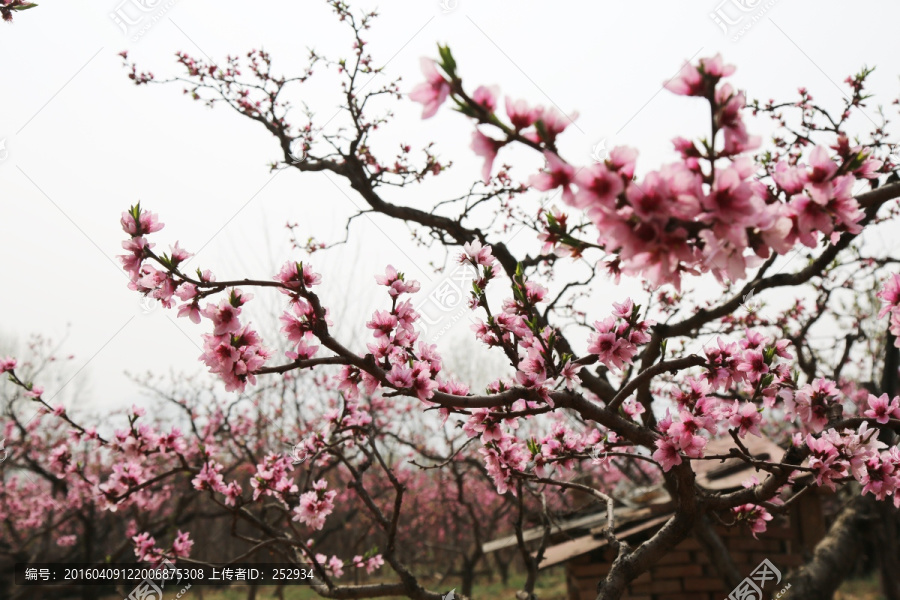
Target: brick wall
685, 573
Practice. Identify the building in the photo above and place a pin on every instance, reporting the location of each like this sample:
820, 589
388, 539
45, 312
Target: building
686, 572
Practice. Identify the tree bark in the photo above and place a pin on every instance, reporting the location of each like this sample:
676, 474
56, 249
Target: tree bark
718, 554
888, 551
835, 556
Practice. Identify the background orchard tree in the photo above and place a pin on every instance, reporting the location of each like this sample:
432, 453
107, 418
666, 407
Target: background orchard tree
804, 350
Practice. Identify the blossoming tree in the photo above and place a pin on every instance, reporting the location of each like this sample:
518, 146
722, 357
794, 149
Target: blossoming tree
644, 387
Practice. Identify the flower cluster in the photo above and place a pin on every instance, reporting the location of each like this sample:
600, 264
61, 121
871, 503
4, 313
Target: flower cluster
859, 454
707, 212
273, 477
146, 550
233, 351
754, 515
409, 367
749, 368
616, 339
315, 505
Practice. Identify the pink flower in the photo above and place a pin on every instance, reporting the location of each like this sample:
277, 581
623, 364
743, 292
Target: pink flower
336, 566
190, 310
693, 81
611, 351
882, 409
315, 505
209, 478
7, 364
235, 357
633, 408
143, 545
555, 122
623, 310
755, 516
502, 459
132, 262
374, 563
396, 281
232, 493
558, 174
477, 254
790, 179
811, 403
693, 445
224, 317
520, 115
433, 91
182, 544
487, 148
400, 376
297, 275
383, 323
486, 97
666, 454
890, 295
303, 351
823, 170
622, 160
747, 419
178, 254
598, 187
137, 222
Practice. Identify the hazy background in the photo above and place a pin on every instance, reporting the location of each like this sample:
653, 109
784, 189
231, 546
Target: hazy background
83, 143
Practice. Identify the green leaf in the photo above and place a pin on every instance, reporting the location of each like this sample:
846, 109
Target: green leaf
448, 64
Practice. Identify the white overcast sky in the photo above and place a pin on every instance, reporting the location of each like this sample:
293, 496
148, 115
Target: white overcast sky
83, 143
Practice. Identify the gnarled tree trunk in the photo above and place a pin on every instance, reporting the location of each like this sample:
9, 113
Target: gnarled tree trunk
835, 555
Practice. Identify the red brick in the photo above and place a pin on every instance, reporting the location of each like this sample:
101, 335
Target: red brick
781, 533
595, 569
675, 558
677, 571
748, 543
657, 587
689, 544
701, 584
642, 578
